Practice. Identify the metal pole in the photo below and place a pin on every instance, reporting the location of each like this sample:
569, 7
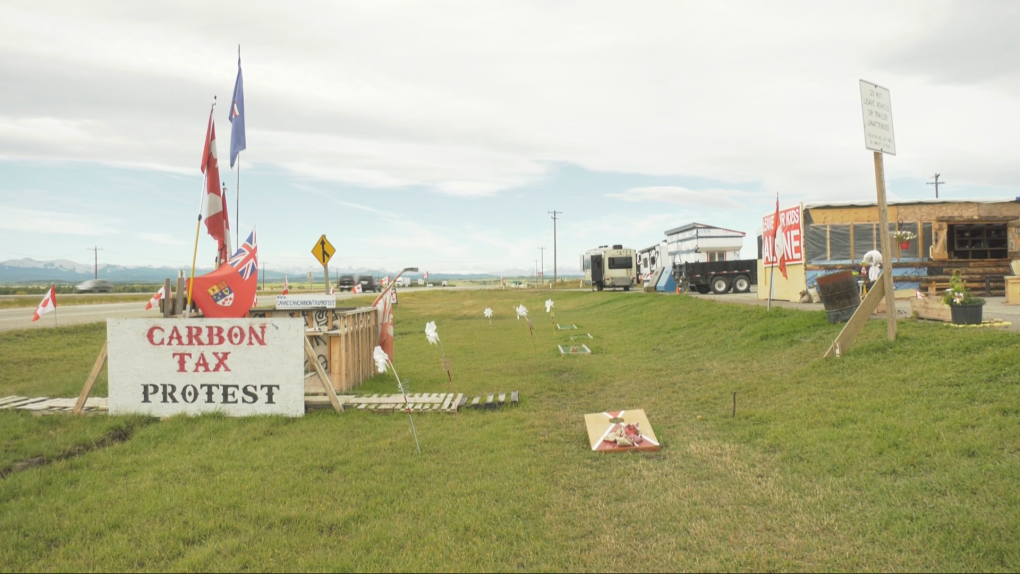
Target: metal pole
237, 212
555, 262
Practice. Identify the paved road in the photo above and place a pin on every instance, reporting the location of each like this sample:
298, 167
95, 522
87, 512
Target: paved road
21, 318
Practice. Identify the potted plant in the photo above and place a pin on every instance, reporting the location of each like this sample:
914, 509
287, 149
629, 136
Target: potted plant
904, 238
966, 308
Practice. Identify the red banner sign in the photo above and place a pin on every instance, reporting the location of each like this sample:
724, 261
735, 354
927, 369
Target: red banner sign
790, 228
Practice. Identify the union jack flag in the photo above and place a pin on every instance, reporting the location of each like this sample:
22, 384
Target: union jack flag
245, 260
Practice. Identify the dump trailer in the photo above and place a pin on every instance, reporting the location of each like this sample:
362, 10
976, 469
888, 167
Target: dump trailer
717, 276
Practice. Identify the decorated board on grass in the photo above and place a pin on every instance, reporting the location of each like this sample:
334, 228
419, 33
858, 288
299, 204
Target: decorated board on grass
566, 327
620, 431
585, 336
239, 367
574, 350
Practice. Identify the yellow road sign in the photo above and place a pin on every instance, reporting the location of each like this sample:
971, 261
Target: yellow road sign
323, 251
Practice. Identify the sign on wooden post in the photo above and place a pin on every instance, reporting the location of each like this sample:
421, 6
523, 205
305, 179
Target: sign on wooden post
879, 136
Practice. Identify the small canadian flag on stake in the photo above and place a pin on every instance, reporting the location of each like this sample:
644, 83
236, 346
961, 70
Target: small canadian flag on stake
155, 299
286, 288
331, 289
356, 289
49, 303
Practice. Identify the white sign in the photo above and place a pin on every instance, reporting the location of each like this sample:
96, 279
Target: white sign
240, 367
876, 107
305, 301
311, 277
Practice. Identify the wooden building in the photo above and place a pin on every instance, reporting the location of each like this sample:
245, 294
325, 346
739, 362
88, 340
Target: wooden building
971, 235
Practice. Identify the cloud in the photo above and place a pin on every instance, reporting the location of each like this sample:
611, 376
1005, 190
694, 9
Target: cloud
52, 222
161, 238
715, 198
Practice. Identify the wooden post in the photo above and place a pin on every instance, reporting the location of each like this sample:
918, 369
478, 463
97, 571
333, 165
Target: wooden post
856, 323
326, 384
887, 266
179, 296
167, 307
89, 382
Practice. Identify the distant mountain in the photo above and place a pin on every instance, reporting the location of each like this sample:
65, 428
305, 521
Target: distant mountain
62, 270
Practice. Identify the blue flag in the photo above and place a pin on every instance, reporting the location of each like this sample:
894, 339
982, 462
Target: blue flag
237, 142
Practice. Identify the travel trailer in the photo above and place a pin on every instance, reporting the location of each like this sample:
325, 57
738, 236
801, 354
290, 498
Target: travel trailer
610, 267
651, 259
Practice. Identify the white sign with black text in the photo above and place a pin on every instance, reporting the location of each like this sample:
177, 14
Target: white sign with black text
239, 367
306, 301
876, 107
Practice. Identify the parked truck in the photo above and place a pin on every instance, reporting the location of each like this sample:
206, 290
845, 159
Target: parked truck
717, 276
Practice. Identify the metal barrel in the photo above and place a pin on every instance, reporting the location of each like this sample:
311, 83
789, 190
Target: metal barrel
840, 295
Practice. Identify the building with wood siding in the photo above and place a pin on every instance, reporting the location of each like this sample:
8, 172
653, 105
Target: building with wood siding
971, 235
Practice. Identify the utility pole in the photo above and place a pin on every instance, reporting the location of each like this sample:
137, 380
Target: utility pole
555, 265
936, 183
263, 275
542, 251
95, 268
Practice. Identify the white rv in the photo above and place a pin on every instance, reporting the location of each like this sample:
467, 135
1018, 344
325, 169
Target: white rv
651, 259
613, 267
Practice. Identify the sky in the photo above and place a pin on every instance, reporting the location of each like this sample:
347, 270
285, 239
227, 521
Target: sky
441, 134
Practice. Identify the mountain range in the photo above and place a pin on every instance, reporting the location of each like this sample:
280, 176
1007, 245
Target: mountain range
62, 270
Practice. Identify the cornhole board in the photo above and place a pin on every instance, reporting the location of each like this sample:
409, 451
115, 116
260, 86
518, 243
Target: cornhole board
601, 424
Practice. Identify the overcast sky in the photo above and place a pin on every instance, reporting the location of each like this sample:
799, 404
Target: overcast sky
439, 134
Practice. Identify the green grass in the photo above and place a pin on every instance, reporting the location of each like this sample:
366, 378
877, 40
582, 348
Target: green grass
897, 456
65, 301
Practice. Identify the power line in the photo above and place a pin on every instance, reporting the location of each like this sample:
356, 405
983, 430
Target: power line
555, 264
542, 250
936, 183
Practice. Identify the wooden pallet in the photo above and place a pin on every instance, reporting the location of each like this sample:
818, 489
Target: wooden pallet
48, 406
418, 402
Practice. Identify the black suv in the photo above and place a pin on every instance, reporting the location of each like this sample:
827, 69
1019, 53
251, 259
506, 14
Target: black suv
368, 283
345, 283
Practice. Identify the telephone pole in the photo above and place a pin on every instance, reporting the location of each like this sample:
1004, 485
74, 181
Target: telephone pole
555, 265
95, 268
542, 274
936, 183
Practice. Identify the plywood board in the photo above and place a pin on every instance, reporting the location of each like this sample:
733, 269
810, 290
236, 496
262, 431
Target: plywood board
600, 425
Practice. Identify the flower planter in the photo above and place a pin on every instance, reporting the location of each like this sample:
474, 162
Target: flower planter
904, 245
967, 314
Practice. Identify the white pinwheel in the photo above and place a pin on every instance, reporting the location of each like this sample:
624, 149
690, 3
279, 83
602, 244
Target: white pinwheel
522, 311
381, 358
488, 312
430, 333
548, 305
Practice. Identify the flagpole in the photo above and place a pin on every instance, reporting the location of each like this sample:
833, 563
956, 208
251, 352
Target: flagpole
237, 200
54, 293
198, 229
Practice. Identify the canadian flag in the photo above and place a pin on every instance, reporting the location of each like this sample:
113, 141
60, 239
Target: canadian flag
384, 306
216, 220
155, 298
779, 242
331, 289
426, 275
286, 288
356, 289
49, 303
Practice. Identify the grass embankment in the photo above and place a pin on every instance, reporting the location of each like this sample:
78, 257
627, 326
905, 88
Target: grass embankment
895, 457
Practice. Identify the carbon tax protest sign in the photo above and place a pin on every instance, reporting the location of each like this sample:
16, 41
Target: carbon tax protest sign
789, 239
239, 367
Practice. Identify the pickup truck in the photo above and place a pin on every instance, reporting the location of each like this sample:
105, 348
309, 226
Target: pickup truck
717, 276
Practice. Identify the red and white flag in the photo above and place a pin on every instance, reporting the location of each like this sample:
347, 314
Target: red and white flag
286, 288
384, 305
386, 281
426, 276
330, 288
216, 220
155, 298
779, 241
49, 303
356, 289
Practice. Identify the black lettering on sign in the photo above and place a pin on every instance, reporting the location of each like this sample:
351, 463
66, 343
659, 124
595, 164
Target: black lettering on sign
147, 391
249, 393
168, 391
208, 392
270, 389
189, 393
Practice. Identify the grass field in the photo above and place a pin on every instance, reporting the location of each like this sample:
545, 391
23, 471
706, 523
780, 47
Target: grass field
899, 456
